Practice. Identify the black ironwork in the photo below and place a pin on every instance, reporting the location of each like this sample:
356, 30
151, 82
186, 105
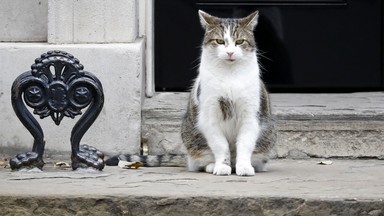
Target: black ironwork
57, 86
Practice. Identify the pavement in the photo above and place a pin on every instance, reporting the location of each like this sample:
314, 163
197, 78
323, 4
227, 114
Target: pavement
289, 187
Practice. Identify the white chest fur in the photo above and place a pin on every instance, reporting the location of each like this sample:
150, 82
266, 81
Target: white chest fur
239, 83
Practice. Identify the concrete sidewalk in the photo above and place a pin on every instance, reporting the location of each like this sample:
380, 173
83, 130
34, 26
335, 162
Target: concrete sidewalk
290, 187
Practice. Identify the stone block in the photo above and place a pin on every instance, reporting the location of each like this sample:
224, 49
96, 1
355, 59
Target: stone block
162, 116
23, 21
120, 70
92, 21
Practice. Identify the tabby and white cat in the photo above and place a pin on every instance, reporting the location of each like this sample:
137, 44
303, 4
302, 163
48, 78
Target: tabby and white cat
228, 124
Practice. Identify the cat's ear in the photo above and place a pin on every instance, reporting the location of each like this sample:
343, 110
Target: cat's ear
251, 20
207, 20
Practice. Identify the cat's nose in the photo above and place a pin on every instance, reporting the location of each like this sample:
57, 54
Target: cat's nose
230, 54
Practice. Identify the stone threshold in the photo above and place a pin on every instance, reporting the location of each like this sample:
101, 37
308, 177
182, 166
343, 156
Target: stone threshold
349, 125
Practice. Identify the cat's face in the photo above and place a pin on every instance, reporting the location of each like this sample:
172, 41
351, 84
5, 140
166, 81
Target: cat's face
229, 40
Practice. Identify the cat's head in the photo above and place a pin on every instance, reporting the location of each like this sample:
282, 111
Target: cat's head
229, 40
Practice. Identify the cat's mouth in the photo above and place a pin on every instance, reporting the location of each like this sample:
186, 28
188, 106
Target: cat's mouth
230, 60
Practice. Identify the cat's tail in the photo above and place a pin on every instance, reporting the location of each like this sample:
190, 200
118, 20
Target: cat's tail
168, 160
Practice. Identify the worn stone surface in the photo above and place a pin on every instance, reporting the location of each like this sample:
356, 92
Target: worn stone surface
138, 205
352, 106
317, 125
23, 21
290, 187
324, 143
92, 21
161, 121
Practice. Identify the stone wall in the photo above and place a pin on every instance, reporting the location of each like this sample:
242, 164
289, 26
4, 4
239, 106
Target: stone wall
23, 21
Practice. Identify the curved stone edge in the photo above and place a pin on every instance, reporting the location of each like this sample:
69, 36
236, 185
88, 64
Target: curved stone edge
145, 205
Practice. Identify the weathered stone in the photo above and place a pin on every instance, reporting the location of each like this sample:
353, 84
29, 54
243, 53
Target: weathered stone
96, 21
161, 117
23, 21
290, 187
142, 205
297, 154
317, 125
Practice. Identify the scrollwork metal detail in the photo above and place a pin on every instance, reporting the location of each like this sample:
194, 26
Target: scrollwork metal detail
57, 86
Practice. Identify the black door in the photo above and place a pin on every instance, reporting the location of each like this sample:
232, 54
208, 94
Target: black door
304, 45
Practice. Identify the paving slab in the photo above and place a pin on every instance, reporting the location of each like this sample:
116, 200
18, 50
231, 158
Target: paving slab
290, 187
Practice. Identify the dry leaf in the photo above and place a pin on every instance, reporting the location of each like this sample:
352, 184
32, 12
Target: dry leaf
3, 162
129, 165
62, 164
326, 162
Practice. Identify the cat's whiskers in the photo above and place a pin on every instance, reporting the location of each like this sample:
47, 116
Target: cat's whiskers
260, 53
196, 63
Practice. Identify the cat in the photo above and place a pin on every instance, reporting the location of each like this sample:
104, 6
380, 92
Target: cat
228, 125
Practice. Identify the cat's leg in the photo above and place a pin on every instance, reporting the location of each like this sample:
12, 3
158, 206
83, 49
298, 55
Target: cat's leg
200, 157
209, 124
220, 149
264, 146
245, 144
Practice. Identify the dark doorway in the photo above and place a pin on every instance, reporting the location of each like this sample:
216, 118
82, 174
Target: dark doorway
304, 45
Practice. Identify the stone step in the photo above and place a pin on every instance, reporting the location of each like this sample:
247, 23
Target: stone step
309, 125
290, 187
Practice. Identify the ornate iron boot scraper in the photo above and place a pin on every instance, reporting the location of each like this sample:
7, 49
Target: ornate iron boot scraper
57, 86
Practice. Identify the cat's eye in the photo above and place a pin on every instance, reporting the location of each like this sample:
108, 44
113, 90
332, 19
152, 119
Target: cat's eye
220, 41
240, 41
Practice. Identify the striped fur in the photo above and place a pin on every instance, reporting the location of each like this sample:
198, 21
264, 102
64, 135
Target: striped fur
169, 160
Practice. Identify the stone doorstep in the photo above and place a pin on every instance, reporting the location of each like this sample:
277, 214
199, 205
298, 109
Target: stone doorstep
290, 187
176, 206
309, 125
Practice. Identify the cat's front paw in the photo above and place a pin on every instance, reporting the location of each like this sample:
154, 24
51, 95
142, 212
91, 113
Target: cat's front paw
209, 168
245, 170
222, 169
